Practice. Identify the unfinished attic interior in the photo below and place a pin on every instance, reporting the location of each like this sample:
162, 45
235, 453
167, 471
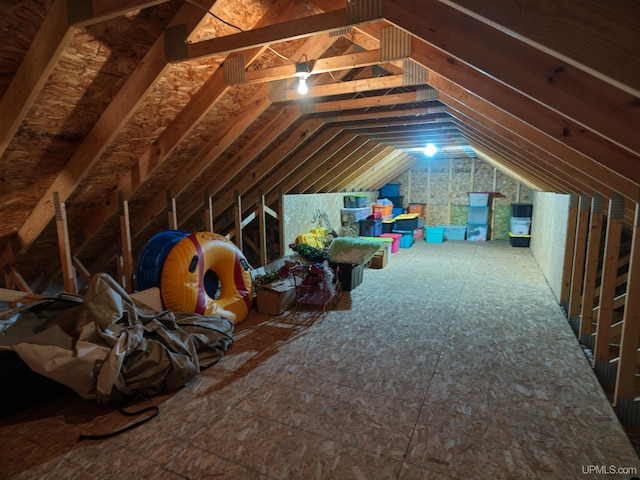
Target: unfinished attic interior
251, 127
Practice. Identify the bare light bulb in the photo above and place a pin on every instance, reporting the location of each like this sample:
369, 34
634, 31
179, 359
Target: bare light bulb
302, 86
430, 150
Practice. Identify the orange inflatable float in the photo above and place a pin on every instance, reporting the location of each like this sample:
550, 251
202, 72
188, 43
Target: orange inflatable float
193, 270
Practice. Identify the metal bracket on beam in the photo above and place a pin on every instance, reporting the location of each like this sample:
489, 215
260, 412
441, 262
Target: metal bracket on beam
278, 90
395, 44
175, 43
234, 71
414, 74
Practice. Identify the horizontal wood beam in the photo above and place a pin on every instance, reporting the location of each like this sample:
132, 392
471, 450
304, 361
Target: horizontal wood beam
289, 30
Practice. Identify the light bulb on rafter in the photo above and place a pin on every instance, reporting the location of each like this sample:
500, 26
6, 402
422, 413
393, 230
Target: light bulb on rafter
303, 71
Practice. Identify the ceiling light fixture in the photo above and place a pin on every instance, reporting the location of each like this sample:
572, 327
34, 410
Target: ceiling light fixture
303, 71
430, 150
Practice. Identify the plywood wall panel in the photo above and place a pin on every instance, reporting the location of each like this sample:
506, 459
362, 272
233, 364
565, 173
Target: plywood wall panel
549, 222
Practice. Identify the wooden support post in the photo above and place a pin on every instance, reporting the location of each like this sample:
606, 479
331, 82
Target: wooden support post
591, 271
8, 282
82, 271
428, 219
237, 214
125, 236
19, 282
172, 217
565, 291
281, 239
262, 228
604, 369
120, 266
492, 198
64, 246
630, 340
449, 192
579, 252
208, 212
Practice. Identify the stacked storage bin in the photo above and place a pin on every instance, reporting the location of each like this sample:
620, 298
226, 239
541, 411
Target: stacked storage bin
520, 233
355, 209
391, 192
478, 216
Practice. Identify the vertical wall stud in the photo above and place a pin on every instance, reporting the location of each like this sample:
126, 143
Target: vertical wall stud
262, 229
579, 251
572, 221
624, 398
208, 212
237, 213
68, 272
125, 238
172, 218
603, 368
591, 272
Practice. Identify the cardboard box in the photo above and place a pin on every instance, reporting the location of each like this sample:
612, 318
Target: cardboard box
276, 297
379, 260
150, 297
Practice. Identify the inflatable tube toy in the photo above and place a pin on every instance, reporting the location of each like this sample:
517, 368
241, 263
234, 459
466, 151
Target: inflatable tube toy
149, 267
198, 261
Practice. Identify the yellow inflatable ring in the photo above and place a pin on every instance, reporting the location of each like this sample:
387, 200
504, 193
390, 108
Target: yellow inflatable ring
182, 282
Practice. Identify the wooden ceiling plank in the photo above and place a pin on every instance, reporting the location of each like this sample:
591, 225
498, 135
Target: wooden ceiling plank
376, 173
114, 117
354, 87
52, 38
563, 28
364, 155
371, 117
294, 181
405, 161
561, 131
460, 98
333, 168
557, 176
223, 139
532, 174
275, 167
102, 10
508, 168
210, 93
365, 102
280, 32
38, 63
532, 157
321, 65
590, 102
247, 155
366, 166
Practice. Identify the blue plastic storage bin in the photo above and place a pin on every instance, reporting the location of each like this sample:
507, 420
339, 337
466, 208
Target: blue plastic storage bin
390, 190
406, 241
355, 200
370, 228
434, 234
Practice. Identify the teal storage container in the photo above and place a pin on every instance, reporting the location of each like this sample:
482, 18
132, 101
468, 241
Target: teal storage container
434, 234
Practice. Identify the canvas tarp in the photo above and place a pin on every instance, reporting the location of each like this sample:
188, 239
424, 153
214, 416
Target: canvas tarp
105, 345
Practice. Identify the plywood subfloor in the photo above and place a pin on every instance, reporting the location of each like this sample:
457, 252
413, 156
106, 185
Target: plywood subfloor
453, 362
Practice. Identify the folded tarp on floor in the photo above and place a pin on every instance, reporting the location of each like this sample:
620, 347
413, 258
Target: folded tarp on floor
106, 345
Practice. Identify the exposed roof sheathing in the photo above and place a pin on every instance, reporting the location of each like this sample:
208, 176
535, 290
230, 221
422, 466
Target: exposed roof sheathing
102, 101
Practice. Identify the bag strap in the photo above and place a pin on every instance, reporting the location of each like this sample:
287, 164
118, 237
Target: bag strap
153, 408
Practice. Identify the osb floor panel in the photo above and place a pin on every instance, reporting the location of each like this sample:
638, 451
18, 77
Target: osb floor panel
453, 362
